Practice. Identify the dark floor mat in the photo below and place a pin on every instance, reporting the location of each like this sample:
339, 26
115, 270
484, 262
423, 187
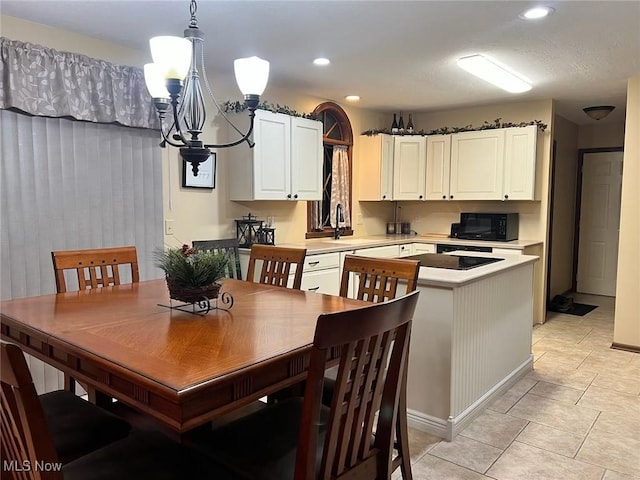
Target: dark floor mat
578, 309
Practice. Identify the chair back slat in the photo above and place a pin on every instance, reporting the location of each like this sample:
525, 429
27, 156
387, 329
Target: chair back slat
229, 246
374, 343
276, 264
94, 267
378, 277
25, 435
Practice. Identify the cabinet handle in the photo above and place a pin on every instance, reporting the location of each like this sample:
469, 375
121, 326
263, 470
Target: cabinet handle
289, 196
313, 289
450, 196
506, 197
313, 264
444, 197
295, 196
420, 197
384, 196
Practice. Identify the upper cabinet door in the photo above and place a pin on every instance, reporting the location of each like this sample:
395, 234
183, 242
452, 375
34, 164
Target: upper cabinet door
520, 163
438, 167
306, 159
477, 165
409, 166
375, 167
271, 156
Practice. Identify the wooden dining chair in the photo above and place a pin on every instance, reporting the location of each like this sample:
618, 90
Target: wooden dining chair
276, 265
31, 440
378, 280
95, 268
378, 277
74, 426
229, 246
301, 439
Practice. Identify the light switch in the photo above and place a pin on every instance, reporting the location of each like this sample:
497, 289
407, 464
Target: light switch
168, 227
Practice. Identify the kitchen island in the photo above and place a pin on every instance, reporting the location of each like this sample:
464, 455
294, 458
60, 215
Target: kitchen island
470, 340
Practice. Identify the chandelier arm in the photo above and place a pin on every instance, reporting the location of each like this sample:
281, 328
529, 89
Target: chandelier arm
166, 139
176, 122
245, 138
215, 102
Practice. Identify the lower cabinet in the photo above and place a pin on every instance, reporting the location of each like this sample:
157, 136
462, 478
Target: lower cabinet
321, 274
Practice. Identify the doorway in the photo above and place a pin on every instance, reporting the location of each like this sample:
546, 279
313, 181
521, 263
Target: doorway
598, 221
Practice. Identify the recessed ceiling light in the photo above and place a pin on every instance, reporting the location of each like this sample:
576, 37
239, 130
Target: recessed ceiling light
352, 98
491, 72
536, 12
321, 61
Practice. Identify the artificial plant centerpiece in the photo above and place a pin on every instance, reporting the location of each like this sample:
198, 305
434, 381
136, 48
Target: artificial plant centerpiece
192, 275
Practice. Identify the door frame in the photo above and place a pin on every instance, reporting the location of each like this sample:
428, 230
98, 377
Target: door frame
576, 227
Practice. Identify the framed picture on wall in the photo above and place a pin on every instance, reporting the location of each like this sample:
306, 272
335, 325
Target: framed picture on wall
206, 174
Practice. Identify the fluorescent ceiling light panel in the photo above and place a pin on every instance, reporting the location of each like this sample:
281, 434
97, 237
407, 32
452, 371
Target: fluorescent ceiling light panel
491, 72
352, 98
536, 13
322, 61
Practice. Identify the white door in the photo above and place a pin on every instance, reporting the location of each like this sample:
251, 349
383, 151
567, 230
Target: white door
599, 223
438, 165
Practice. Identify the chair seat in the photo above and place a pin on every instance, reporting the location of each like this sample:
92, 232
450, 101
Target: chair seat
261, 445
146, 455
79, 427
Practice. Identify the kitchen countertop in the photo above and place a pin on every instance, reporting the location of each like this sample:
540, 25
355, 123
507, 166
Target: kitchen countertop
443, 277
329, 245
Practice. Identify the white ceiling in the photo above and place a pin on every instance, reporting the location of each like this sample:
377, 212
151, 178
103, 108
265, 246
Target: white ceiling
397, 55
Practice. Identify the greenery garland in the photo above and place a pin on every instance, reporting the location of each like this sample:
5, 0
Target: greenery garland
497, 123
238, 106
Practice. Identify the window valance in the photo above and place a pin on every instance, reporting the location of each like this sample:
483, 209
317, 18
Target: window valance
45, 82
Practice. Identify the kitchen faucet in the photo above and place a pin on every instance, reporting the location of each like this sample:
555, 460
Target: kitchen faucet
339, 218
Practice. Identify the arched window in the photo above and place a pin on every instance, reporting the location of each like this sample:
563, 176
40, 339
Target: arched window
337, 133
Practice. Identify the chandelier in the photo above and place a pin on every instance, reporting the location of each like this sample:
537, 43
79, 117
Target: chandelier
173, 80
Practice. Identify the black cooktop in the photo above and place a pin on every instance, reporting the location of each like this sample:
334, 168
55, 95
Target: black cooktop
453, 262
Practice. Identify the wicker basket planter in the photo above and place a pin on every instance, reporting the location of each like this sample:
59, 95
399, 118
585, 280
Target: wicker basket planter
191, 294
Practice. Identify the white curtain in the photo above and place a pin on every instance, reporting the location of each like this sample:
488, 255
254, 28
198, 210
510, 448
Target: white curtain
64, 185
340, 185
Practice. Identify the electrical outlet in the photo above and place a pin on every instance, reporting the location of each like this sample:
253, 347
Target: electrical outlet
359, 219
168, 227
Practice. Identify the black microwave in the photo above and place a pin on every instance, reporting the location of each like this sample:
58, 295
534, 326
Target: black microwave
501, 227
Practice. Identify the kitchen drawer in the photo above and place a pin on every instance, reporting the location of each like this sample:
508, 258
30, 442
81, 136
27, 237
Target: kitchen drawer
405, 250
321, 261
322, 281
420, 248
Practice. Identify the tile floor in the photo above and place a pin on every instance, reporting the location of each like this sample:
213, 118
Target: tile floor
575, 417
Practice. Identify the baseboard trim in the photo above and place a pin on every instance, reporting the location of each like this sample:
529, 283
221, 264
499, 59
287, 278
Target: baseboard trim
627, 348
450, 427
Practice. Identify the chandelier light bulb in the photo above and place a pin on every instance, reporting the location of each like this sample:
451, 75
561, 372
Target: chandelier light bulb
154, 78
172, 55
252, 75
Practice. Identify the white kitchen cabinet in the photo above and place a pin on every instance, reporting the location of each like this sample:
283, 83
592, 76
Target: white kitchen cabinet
420, 248
284, 164
406, 250
438, 167
409, 167
321, 274
376, 167
496, 164
392, 167
520, 163
477, 165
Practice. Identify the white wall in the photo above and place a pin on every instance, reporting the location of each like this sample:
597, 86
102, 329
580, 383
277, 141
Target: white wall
627, 316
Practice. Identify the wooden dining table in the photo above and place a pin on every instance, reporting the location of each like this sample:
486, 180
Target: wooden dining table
181, 368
